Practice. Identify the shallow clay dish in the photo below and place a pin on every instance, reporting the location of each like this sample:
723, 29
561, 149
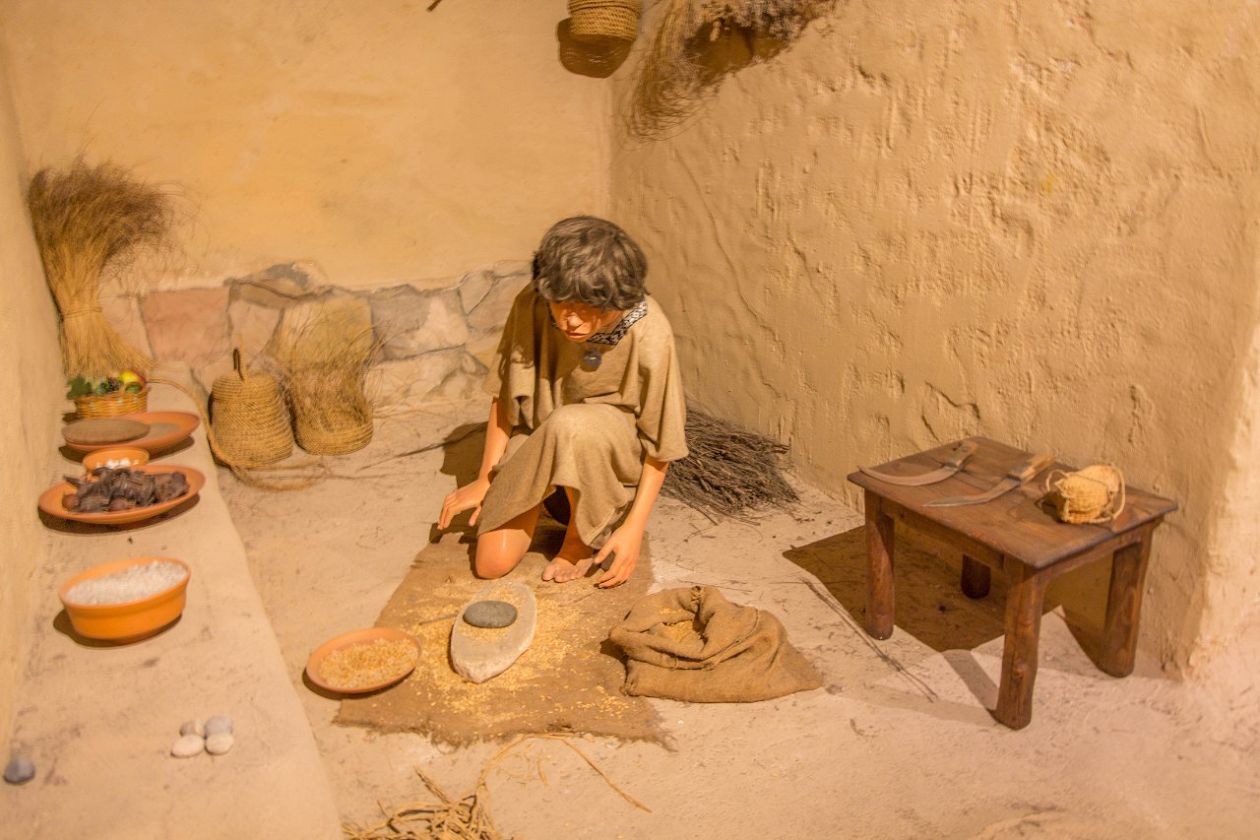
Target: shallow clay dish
356, 637
99, 432
166, 428
50, 501
129, 621
101, 457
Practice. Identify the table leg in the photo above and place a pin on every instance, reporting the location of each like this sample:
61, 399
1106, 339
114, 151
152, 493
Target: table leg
879, 574
1019, 654
1124, 603
975, 578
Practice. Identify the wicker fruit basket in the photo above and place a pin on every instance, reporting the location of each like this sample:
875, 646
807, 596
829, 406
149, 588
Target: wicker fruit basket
113, 405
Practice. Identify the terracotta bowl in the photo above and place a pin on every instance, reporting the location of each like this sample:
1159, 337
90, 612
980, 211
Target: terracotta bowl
51, 500
166, 429
345, 640
130, 621
101, 457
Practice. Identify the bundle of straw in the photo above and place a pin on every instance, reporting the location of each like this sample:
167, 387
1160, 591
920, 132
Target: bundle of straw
729, 471
324, 363
673, 79
85, 219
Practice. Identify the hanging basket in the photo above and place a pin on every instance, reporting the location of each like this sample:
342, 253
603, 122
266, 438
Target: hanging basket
592, 20
112, 405
251, 423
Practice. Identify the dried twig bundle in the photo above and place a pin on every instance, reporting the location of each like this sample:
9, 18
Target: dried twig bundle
85, 219
729, 471
324, 361
674, 77
465, 819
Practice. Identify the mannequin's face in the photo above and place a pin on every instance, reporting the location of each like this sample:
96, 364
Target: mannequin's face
579, 321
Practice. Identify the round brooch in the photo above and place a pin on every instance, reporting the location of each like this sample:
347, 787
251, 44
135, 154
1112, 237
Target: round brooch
591, 358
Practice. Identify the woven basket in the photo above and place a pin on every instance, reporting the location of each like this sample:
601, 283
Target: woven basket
320, 440
112, 405
251, 422
595, 19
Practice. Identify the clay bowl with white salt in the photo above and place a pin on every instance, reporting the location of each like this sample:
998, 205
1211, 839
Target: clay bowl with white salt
115, 457
126, 600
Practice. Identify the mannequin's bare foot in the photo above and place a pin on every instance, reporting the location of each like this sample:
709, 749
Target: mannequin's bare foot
572, 560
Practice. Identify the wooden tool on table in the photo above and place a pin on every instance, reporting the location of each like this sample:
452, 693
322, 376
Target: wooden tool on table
1018, 475
953, 463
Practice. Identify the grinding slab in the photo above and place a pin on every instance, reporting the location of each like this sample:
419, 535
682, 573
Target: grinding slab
97, 430
478, 654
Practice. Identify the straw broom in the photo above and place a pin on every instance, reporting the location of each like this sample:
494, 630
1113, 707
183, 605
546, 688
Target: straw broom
85, 219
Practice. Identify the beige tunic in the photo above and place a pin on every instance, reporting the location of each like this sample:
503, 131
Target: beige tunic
579, 427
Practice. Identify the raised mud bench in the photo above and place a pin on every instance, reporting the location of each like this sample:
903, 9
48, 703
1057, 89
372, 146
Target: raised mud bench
98, 721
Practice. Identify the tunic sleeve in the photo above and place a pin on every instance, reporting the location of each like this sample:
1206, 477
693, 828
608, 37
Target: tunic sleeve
662, 416
513, 373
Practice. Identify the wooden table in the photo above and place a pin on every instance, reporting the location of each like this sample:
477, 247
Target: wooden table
1018, 537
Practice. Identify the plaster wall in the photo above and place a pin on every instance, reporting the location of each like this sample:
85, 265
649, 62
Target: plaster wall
380, 141
1033, 221
29, 440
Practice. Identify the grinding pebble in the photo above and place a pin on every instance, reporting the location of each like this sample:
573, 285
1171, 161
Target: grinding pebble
19, 770
188, 746
218, 724
220, 743
193, 727
490, 614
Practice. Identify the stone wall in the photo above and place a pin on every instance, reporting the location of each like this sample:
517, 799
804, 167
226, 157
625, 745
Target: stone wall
34, 391
436, 337
1033, 221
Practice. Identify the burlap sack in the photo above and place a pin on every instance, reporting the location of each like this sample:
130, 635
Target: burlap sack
693, 644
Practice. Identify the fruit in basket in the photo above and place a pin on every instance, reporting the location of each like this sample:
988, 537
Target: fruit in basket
128, 380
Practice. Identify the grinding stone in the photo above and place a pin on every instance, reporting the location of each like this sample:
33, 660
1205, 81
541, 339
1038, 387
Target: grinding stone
490, 614
476, 658
97, 430
19, 770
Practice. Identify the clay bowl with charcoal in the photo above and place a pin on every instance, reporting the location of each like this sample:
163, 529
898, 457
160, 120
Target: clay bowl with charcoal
149, 489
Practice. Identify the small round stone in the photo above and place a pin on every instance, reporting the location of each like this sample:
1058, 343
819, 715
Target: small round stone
188, 745
19, 770
490, 614
193, 727
218, 724
219, 743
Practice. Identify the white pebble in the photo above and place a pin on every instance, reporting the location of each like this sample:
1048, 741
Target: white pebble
220, 743
218, 724
188, 746
193, 727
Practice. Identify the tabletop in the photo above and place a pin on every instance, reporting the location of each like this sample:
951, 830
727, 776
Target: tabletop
1014, 523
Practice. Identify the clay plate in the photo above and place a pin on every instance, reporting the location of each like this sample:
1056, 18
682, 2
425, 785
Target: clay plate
356, 637
166, 428
104, 431
50, 501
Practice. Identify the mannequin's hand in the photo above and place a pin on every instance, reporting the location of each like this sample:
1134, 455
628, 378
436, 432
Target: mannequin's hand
625, 544
468, 496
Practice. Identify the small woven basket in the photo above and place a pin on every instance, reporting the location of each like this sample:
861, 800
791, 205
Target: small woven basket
596, 19
251, 422
341, 440
112, 405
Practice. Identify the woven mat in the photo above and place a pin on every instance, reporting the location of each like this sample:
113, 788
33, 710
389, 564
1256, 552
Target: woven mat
568, 681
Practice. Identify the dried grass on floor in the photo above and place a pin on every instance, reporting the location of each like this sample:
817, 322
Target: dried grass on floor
85, 220
729, 471
467, 817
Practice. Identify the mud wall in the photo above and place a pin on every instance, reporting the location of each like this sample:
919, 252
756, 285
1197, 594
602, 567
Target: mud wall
1036, 222
382, 142
28, 443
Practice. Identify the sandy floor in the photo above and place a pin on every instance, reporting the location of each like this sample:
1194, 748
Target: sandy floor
894, 745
